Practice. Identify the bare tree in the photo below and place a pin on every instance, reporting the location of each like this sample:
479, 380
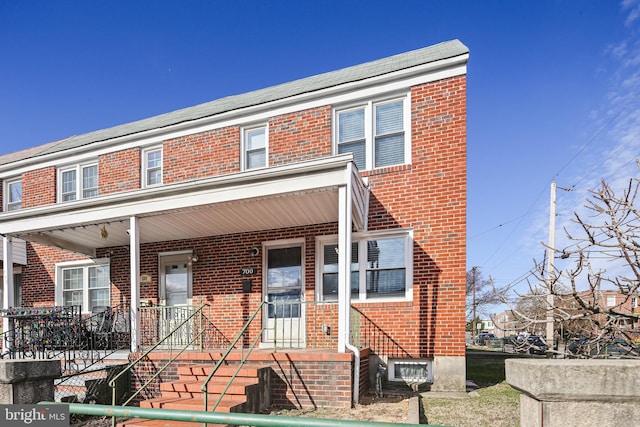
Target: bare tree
481, 296
595, 297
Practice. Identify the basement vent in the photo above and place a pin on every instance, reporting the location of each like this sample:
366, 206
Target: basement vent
411, 371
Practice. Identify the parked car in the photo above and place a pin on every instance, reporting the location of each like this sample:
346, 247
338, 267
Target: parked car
599, 348
484, 337
532, 344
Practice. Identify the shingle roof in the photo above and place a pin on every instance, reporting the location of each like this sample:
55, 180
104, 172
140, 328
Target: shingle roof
355, 73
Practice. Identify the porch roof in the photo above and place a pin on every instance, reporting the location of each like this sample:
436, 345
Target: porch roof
278, 197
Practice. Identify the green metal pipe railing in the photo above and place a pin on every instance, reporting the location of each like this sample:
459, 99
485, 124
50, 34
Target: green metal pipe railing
257, 420
205, 385
113, 381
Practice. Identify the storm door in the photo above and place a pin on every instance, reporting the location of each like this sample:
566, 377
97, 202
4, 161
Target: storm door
284, 294
175, 299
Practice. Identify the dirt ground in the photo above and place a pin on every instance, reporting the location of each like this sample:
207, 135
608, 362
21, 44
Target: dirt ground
390, 408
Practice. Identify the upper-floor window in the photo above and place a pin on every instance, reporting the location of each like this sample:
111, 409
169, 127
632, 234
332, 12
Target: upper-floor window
254, 147
381, 266
152, 166
611, 300
78, 182
375, 132
14, 195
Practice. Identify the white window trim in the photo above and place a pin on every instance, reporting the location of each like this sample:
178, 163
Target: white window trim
425, 362
243, 145
85, 264
7, 200
407, 234
145, 168
79, 181
369, 126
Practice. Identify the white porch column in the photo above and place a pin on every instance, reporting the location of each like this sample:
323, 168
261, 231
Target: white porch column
7, 279
134, 251
344, 263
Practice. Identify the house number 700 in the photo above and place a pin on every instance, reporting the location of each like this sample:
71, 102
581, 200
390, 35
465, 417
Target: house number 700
247, 271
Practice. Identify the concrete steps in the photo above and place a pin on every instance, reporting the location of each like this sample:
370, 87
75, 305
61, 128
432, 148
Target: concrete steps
249, 392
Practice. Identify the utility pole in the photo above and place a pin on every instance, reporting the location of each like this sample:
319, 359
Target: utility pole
550, 265
473, 319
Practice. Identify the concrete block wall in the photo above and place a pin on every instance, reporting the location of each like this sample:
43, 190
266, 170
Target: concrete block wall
576, 392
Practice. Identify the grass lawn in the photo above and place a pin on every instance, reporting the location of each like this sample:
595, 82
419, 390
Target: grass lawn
497, 404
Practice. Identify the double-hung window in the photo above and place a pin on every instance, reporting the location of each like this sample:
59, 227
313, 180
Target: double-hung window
14, 195
381, 266
375, 132
78, 182
152, 166
254, 147
86, 285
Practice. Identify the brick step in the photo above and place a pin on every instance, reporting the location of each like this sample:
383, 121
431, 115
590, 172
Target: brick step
216, 385
144, 422
228, 403
251, 371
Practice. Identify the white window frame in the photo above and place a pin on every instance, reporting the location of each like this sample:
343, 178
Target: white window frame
612, 301
244, 149
145, 165
369, 125
12, 205
85, 266
362, 239
79, 190
428, 363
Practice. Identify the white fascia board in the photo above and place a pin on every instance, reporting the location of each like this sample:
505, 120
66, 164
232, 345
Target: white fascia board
396, 81
310, 176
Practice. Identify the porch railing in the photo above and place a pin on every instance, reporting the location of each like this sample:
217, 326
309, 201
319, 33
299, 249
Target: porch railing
62, 332
367, 333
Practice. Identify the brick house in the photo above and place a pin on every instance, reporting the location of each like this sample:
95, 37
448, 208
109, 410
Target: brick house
345, 189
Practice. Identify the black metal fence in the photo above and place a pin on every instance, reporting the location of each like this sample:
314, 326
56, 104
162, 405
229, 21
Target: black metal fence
62, 332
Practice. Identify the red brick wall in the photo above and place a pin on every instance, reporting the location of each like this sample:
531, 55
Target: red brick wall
299, 380
39, 187
429, 195
119, 171
201, 155
38, 276
300, 136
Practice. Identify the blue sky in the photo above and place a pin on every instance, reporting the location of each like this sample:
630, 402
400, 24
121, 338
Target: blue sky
552, 85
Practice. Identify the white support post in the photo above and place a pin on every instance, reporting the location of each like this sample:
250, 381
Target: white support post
134, 250
344, 265
8, 297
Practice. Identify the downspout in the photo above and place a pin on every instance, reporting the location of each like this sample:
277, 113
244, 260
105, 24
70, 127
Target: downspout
348, 345
356, 370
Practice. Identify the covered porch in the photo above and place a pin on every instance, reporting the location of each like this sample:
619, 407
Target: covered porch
118, 228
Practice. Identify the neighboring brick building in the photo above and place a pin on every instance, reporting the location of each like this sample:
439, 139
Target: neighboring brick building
349, 181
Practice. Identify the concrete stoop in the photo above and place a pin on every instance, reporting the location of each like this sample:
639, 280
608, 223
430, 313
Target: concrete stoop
249, 392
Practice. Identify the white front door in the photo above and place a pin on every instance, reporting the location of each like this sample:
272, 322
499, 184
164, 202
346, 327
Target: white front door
284, 292
175, 294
